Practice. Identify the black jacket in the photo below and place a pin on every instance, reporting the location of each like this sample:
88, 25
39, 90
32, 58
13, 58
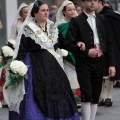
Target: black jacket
80, 30
113, 20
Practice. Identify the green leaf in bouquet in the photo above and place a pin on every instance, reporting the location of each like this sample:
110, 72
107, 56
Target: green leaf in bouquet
13, 79
7, 65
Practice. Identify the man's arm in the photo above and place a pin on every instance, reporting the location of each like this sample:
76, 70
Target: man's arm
110, 52
70, 41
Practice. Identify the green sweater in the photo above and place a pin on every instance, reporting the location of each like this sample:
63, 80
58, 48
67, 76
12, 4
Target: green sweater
63, 30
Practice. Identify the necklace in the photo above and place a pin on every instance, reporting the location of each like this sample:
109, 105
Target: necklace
42, 27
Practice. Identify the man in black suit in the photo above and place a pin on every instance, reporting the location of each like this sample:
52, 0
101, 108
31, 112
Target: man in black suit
92, 30
113, 20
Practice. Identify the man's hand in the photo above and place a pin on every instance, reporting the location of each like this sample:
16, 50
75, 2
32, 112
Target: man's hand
81, 45
92, 52
111, 71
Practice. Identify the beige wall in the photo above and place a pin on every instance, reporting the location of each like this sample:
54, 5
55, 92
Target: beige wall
10, 15
59, 2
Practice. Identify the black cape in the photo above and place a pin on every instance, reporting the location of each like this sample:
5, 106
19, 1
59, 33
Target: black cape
113, 20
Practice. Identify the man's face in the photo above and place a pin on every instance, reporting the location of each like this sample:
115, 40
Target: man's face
97, 6
89, 5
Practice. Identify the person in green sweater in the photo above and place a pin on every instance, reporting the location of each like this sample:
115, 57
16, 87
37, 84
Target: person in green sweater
67, 11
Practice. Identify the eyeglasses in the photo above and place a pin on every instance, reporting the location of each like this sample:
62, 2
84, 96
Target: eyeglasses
91, 0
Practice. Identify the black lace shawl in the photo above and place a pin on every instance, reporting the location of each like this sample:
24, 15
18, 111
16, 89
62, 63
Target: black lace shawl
49, 79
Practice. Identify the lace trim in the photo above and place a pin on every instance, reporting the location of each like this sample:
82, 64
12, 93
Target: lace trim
14, 95
52, 35
18, 93
49, 44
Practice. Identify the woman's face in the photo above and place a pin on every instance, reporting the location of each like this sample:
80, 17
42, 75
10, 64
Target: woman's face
24, 12
79, 11
42, 14
70, 11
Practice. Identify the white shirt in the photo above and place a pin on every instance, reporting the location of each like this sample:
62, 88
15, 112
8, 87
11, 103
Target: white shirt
92, 22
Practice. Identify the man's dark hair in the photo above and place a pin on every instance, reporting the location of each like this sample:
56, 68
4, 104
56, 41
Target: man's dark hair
98, 0
102, 1
83, 0
64, 8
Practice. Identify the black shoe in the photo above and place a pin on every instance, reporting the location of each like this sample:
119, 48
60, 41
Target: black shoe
117, 84
101, 103
5, 106
108, 102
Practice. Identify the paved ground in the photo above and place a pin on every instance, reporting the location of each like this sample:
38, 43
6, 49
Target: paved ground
104, 113
110, 113
3, 114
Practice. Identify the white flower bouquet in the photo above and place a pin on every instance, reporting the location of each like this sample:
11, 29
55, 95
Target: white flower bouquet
17, 71
7, 51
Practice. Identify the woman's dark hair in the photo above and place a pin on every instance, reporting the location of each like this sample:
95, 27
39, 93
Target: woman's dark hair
36, 7
21, 11
64, 8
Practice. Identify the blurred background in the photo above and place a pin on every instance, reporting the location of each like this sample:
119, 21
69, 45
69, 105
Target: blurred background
8, 9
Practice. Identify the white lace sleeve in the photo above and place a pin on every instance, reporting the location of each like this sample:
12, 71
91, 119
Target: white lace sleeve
18, 25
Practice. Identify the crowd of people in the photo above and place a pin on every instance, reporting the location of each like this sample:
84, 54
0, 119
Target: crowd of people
67, 48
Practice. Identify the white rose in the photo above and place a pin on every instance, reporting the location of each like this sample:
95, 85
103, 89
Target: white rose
64, 52
14, 65
7, 51
23, 71
18, 67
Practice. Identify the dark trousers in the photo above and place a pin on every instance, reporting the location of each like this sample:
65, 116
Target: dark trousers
90, 76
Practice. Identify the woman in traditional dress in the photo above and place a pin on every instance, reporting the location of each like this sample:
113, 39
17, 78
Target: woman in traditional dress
67, 11
46, 95
19, 19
